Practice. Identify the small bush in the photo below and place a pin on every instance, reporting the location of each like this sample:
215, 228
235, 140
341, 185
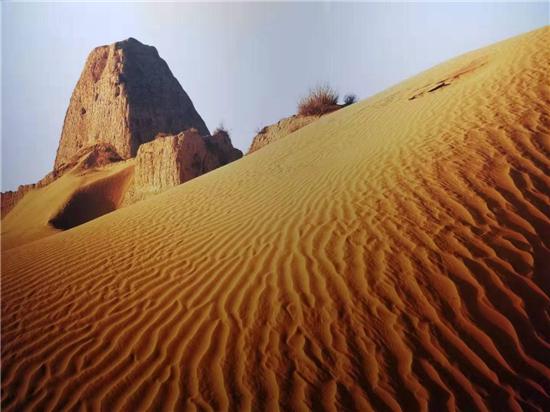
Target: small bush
220, 130
349, 99
263, 130
320, 100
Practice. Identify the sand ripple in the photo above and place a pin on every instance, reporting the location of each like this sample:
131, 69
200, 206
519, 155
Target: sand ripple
390, 256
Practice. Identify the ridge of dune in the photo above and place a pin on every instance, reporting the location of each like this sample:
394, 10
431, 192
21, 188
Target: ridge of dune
392, 255
74, 198
96, 181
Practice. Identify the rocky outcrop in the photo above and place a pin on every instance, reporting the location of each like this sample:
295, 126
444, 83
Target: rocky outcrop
170, 160
127, 103
219, 144
279, 130
90, 157
125, 96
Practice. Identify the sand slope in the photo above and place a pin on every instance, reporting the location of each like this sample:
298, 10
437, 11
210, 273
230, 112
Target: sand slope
76, 197
390, 256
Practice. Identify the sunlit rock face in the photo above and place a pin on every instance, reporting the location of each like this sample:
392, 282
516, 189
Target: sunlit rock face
125, 96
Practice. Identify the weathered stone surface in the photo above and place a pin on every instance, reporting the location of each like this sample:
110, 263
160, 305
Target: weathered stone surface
90, 157
220, 145
279, 130
170, 160
125, 96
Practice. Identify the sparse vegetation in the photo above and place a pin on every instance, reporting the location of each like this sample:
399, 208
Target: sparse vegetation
320, 100
263, 130
350, 99
220, 129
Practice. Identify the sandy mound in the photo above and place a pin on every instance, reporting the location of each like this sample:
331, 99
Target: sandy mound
95, 181
81, 194
391, 256
85, 159
93, 200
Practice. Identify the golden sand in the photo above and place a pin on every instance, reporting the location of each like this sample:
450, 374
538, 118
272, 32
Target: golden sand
76, 197
390, 256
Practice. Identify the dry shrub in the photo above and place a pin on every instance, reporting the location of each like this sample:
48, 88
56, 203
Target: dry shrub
320, 100
221, 130
350, 99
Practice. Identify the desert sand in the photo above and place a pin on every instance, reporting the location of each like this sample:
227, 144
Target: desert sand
77, 196
392, 255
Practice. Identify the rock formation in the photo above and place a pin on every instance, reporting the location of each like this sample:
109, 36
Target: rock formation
170, 160
219, 144
279, 130
125, 96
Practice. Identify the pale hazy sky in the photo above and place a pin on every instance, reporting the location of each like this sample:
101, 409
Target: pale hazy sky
243, 64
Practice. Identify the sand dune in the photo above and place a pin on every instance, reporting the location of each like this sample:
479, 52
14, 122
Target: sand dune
76, 197
390, 256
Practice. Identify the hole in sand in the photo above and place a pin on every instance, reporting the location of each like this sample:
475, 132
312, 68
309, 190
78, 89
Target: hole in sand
92, 201
468, 69
81, 208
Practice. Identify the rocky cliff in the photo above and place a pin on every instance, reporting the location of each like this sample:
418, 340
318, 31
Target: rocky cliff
125, 96
170, 160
